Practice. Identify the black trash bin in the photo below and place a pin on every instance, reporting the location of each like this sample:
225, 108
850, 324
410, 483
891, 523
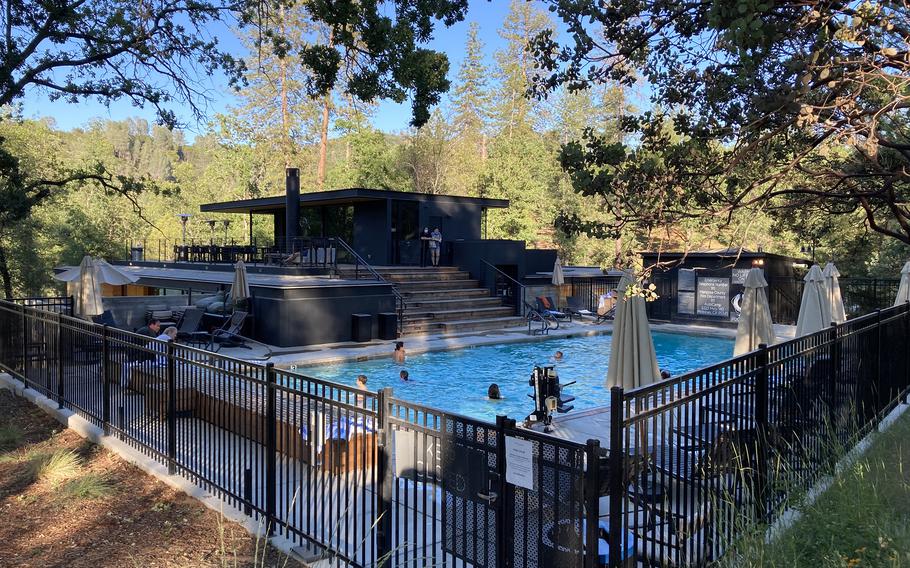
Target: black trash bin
361, 327
388, 325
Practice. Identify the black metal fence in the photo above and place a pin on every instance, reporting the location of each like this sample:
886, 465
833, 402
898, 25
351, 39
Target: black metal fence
351, 474
860, 295
57, 304
589, 289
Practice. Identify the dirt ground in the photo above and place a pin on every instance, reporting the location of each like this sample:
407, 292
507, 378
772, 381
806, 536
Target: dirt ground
67, 502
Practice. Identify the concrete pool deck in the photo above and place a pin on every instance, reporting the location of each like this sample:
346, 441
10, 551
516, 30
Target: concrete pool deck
351, 351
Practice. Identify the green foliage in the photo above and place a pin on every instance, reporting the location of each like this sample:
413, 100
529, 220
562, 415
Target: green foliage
10, 438
86, 487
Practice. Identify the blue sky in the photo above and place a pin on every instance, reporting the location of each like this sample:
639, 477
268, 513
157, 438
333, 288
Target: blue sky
390, 117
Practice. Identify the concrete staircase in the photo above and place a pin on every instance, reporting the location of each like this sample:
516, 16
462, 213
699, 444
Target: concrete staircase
446, 300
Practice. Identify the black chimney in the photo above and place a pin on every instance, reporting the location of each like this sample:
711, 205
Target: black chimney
292, 207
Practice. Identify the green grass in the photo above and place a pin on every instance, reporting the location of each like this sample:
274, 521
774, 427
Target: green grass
10, 438
88, 486
55, 468
863, 519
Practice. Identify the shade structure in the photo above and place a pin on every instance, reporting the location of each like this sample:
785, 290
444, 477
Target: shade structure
814, 309
903, 291
104, 271
240, 288
755, 326
633, 362
87, 300
558, 277
835, 300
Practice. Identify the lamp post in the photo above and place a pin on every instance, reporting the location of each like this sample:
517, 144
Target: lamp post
211, 223
225, 223
809, 249
184, 217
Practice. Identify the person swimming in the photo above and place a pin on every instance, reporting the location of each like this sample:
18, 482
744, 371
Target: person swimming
399, 354
493, 392
558, 357
403, 375
362, 382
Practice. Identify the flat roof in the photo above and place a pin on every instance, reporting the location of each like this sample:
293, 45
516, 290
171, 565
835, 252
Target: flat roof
719, 253
343, 197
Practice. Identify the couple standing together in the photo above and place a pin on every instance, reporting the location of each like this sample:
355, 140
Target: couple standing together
430, 246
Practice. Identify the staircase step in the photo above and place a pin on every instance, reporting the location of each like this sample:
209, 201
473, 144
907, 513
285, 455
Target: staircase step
443, 294
436, 284
447, 303
469, 313
405, 278
463, 325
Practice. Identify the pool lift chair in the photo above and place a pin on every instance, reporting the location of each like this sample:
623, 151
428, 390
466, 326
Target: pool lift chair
548, 397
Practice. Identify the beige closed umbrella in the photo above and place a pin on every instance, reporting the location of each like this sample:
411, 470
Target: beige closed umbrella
814, 309
755, 326
633, 362
240, 288
835, 300
105, 273
903, 291
558, 279
87, 300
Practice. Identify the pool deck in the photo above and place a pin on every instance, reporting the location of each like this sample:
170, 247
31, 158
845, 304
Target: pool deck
351, 351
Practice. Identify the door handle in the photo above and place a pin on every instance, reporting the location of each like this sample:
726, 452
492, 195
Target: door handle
490, 497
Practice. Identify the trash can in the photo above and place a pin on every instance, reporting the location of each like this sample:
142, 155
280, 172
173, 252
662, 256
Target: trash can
388, 325
137, 253
361, 327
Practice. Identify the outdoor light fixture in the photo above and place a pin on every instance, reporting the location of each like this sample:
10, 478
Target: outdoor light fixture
211, 223
225, 222
184, 217
758, 262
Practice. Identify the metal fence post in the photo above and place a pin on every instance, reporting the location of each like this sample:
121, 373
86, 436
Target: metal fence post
505, 530
592, 504
24, 350
878, 366
59, 367
835, 377
761, 428
383, 520
617, 474
171, 368
271, 450
105, 382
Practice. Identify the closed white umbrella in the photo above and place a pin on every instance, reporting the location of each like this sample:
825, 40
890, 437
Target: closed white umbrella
835, 300
755, 326
903, 291
88, 293
240, 288
633, 362
814, 309
558, 277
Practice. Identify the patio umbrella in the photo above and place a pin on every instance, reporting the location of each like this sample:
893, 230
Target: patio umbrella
755, 326
104, 271
903, 291
633, 362
87, 299
834, 296
240, 288
814, 309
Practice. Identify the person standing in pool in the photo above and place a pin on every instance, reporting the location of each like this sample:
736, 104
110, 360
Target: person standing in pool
399, 354
362, 382
493, 392
558, 357
435, 246
403, 375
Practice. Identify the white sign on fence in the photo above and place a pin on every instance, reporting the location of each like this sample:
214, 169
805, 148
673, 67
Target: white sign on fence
520, 462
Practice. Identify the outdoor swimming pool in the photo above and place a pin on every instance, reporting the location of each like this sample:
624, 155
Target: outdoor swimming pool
457, 380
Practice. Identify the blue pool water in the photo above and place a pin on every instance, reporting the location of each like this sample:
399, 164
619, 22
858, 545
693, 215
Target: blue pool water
457, 380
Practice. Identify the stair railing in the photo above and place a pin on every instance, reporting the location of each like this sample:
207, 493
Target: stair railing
363, 267
517, 289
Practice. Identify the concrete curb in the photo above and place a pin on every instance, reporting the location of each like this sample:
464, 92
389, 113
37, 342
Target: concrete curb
96, 435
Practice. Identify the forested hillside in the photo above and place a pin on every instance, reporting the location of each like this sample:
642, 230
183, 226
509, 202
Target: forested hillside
488, 140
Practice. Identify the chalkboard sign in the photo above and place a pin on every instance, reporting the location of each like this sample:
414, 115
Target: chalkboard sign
685, 279
686, 303
739, 275
713, 297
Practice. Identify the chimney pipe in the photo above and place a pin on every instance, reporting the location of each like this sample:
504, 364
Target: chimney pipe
292, 207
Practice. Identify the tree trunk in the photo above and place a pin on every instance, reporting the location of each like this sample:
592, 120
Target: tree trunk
5, 275
324, 134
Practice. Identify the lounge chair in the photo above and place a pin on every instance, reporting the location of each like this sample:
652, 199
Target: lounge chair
575, 307
106, 318
189, 323
228, 335
546, 305
292, 259
606, 307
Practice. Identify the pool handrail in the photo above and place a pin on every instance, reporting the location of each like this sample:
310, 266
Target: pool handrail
519, 302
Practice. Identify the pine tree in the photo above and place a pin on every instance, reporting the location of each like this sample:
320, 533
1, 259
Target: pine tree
471, 97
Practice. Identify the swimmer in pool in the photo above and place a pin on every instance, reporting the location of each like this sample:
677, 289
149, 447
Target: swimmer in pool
558, 357
403, 375
362, 382
399, 354
493, 392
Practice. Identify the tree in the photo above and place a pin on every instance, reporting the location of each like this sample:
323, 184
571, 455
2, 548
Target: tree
774, 106
471, 96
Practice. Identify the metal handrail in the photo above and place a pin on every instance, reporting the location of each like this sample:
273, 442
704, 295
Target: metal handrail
399, 299
519, 302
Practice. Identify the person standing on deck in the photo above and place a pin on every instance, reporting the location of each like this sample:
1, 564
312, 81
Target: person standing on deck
425, 238
435, 245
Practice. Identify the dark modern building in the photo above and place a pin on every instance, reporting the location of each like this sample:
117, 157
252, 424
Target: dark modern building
706, 285
382, 226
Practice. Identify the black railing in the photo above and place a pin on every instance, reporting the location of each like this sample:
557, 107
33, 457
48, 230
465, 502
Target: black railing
510, 290
693, 462
56, 304
588, 290
860, 295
